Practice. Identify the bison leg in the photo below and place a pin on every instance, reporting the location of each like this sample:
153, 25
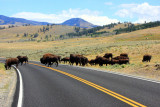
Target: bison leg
56, 63
49, 64
17, 65
21, 63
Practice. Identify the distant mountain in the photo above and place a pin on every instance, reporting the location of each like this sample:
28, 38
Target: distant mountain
4, 20
79, 23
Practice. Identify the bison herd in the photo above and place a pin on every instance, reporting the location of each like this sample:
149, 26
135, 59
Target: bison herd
11, 61
49, 59
83, 61
105, 60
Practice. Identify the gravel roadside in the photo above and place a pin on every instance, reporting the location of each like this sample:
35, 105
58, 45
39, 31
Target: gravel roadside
7, 87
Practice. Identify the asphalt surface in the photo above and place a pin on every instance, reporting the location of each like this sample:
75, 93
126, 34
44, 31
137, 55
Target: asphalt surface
44, 87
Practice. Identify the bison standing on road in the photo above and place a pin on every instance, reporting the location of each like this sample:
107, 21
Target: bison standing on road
23, 59
11, 61
49, 59
146, 58
42, 61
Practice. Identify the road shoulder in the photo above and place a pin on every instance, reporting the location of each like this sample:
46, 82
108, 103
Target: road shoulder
7, 87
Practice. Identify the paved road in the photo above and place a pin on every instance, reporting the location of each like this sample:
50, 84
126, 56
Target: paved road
68, 86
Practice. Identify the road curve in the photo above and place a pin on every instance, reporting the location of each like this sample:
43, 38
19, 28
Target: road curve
68, 86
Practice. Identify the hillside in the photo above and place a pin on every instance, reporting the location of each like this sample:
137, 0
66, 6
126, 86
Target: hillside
44, 33
78, 22
4, 20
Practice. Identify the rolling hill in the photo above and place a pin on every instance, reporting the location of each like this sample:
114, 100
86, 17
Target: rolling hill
17, 33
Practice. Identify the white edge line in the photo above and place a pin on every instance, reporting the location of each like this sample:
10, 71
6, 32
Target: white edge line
20, 98
117, 73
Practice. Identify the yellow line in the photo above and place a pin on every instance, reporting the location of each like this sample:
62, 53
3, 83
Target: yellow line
107, 91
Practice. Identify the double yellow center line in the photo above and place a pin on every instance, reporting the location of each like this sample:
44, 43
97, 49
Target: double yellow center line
98, 87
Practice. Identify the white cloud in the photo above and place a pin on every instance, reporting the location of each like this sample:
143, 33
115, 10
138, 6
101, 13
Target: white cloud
108, 3
142, 12
86, 14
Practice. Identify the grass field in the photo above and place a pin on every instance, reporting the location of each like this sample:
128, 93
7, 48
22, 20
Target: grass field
136, 44
10, 34
2, 69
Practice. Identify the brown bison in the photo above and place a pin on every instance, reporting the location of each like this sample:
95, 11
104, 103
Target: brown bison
108, 55
92, 62
49, 59
42, 60
78, 59
11, 61
23, 59
120, 60
84, 61
65, 59
72, 59
124, 54
101, 60
146, 58
114, 61
123, 61
75, 59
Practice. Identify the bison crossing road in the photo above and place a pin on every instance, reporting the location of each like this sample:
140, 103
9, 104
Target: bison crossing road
11, 61
49, 59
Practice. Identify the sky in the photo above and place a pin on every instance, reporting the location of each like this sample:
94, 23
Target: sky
98, 12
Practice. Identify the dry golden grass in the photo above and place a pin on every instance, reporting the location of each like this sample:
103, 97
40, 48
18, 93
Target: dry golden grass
145, 34
10, 34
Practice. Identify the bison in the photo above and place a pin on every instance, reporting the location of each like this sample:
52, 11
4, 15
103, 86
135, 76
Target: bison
49, 59
42, 60
23, 59
92, 62
114, 61
11, 61
101, 60
146, 58
108, 55
66, 59
72, 59
84, 61
124, 54
78, 59
120, 60
75, 59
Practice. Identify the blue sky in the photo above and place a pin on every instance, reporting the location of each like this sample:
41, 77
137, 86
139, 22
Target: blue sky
99, 12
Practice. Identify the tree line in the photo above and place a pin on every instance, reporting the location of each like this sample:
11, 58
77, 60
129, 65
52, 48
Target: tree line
89, 32
132, 27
